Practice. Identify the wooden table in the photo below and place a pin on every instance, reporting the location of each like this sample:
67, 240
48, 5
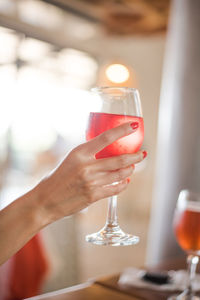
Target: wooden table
88, 291
108, 289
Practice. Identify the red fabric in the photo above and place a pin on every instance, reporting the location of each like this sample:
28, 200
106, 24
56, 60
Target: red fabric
28, 271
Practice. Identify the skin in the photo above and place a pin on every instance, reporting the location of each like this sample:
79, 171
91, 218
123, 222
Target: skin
77, 182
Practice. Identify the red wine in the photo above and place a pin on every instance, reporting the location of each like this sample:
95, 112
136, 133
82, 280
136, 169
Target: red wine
100, 122
187, 229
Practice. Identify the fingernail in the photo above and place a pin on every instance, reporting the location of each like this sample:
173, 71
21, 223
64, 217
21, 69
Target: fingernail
134, 125
144, 154
133, 166
128, 180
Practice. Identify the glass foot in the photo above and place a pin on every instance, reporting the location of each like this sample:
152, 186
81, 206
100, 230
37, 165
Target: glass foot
113, 236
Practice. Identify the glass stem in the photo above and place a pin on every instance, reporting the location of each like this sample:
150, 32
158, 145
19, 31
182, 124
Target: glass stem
112, 212
192, 261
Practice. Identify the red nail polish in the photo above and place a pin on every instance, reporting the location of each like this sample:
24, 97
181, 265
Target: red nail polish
128, 180
135, 125
144, 154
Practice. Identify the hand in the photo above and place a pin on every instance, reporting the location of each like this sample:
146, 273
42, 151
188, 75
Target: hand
81, 179
78, 181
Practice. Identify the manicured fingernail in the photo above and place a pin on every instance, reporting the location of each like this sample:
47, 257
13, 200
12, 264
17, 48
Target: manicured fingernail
133, 166
134, 125
144, 154
128, 180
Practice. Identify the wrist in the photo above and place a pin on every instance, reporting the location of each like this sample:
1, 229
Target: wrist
36, 205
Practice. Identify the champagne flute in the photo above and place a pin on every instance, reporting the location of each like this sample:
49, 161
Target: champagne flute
187, 231
117, 105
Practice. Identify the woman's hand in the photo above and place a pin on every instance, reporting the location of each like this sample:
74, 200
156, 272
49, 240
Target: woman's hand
78, 181
81, 179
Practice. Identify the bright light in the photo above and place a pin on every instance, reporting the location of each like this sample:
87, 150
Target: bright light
31, 122
117, 73
70, 113
8, 97
44, 109
39, 106
38, 13
79, 68
32, 49
8, 42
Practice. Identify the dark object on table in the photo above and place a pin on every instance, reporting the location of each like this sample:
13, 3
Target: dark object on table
157, 278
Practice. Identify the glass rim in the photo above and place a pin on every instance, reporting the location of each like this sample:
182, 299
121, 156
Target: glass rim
189, 200
100, 89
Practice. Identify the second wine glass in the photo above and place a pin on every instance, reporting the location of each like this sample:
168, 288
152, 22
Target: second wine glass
116, 106
187, 231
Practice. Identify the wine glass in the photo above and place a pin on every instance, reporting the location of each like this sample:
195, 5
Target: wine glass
187, 231
117, 105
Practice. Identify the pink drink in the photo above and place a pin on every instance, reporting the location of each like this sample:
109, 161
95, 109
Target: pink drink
100, 122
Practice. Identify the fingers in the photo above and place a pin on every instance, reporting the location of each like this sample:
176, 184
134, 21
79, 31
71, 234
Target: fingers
108, 170
115, 176
109, 136
110, 190
118, 162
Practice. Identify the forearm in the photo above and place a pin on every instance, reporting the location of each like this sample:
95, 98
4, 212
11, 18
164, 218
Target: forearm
19, 222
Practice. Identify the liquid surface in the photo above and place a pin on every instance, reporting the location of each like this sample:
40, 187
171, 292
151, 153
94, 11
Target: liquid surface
187, 229
100, 122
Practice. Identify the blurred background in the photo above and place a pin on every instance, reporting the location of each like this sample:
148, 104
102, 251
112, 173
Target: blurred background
51, 53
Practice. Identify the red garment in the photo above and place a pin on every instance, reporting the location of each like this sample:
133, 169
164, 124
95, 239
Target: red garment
28, 270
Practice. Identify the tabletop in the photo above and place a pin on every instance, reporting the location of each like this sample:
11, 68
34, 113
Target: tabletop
88, 291
108, 288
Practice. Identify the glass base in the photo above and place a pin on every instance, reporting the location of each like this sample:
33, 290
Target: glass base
112, 235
